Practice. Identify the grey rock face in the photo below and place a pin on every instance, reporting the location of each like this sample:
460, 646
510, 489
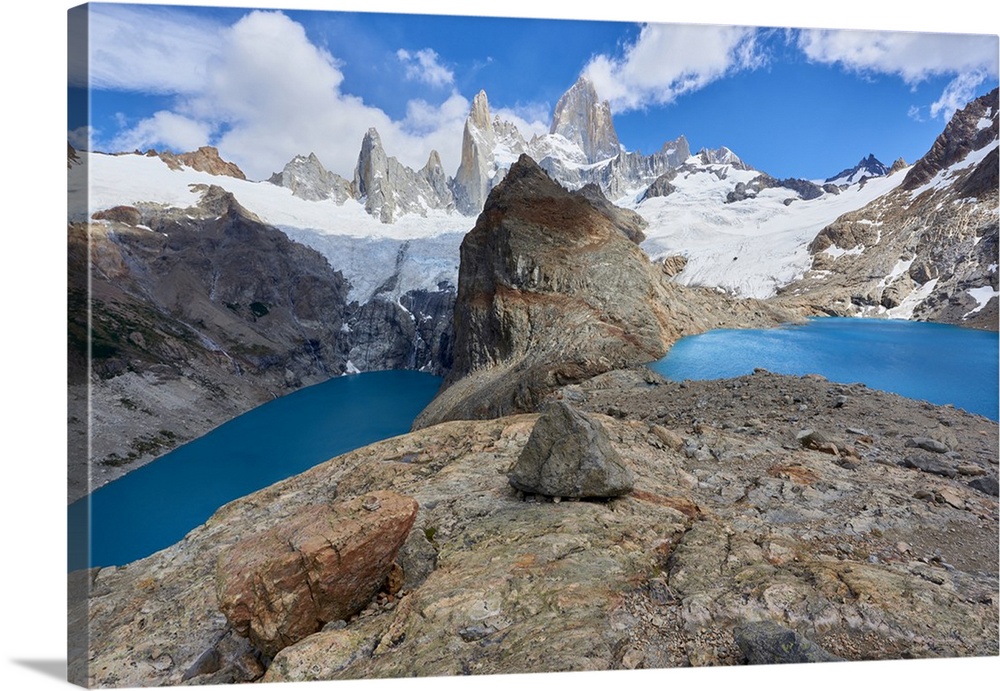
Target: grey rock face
723, 155
390, 189
569, 455
306, 177
585, 121
661, 187
768, 643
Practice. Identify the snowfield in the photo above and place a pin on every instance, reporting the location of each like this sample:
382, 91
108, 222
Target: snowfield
748, 248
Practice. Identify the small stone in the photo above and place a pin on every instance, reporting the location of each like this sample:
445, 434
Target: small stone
927, 444
632, 659
950, 497
986, 485
768, 643
970, 470
902, 547
929, 464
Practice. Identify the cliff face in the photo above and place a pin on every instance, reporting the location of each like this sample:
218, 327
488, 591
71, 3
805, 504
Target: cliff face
202, 313
552, 291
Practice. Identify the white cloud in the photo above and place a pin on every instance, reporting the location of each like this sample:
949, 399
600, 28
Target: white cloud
146, 49
423, 66
957, 94
164, 130
668, 60
266, 93
914, 57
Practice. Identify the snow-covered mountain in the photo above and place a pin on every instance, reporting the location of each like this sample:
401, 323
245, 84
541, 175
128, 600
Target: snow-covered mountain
392, 229
928, 248
868, 167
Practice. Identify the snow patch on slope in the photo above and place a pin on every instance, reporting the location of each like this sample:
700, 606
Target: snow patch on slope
748, 248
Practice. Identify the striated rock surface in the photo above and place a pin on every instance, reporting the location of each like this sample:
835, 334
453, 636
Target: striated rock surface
322, 564
928, 249
586, 121
569, 455
477, 168
389, 189
626, 220
730, 521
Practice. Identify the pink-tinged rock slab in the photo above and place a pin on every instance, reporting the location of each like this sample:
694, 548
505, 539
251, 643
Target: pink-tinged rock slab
322, 564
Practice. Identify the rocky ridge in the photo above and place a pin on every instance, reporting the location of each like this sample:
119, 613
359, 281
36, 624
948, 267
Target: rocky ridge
928, 249
205, 159
581, 148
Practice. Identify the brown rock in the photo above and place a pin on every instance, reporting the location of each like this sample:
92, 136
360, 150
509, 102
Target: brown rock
206, 159
322, 564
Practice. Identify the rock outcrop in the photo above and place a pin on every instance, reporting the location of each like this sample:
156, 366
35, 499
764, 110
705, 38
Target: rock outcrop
867, 167
306, 177
389, 189
722, 155
626, 220
570, 455
323, 564
730, 522
206, 159
550, 292
478, 167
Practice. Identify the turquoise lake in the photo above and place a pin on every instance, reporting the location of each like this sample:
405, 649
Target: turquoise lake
930, 362
156, 505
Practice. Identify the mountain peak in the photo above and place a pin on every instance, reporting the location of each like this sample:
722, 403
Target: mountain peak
480, 113
584, 120
722, 155
868, 167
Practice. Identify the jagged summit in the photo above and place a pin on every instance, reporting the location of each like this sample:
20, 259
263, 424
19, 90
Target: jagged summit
868, 167
722, 155
584, 120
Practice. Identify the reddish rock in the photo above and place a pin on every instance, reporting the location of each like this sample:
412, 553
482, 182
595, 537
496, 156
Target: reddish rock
322, 564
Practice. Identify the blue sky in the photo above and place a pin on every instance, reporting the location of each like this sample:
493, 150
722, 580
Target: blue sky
266, 85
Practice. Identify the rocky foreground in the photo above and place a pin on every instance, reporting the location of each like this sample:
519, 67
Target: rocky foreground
847, 522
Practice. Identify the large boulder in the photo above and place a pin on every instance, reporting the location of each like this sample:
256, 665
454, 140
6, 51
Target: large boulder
569, 454
322, 564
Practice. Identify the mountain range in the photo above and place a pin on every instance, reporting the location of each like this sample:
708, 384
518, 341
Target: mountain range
172, 235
